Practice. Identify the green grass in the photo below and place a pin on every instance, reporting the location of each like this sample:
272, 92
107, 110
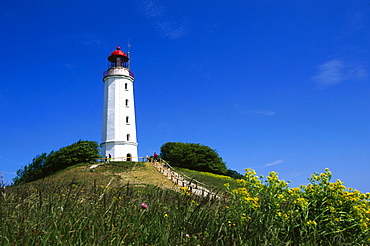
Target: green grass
212, 180
101, 175
123, 166
64, 214
259, 212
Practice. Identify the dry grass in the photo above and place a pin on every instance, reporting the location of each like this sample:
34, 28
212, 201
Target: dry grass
121, 172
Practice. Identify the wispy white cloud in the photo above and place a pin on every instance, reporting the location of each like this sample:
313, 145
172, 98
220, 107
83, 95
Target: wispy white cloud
168, 27
173, 30
274, 163
336, 71
261, 112
277, 162
330, 73
152, 9
90, 40
356, 20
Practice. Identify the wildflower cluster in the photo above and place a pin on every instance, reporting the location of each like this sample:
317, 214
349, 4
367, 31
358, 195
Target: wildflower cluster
339, 209
185, 190
314, 214
219, 176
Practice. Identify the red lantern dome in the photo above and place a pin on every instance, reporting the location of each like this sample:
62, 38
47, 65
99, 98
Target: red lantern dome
118, 53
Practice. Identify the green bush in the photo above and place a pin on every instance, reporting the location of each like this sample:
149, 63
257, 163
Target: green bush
193, 156
80, 152
234, 174
45, 164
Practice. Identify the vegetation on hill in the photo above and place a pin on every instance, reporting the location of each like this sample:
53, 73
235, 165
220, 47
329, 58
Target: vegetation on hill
193, 156
115, 173
46, 164
320, 213
215, 181
234, 174
68, 209
258, 212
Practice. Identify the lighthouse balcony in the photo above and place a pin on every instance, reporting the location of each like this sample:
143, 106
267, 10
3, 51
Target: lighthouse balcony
118, 71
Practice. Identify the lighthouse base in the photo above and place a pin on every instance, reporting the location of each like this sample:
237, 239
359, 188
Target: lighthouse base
120, 150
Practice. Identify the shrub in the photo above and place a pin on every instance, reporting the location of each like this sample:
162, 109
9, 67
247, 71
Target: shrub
234, 174
193, 156
45, 164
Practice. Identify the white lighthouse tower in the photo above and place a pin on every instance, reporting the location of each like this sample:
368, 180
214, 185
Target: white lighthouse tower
119, 125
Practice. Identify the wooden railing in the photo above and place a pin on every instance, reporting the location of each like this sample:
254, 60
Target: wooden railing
193, 186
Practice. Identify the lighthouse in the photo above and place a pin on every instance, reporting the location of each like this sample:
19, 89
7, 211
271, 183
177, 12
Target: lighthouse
119, 125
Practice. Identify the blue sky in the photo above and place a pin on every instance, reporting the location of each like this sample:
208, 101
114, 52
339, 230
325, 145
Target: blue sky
271, 85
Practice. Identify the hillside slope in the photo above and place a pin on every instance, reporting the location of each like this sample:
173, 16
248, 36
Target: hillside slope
117, 173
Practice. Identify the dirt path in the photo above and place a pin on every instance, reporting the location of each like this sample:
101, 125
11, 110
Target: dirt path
147, 175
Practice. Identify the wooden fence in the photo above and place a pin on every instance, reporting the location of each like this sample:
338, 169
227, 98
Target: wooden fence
193, 186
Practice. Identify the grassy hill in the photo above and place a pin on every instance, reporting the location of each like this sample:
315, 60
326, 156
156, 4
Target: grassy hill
121, 173
117, 173
104, 206
124, 203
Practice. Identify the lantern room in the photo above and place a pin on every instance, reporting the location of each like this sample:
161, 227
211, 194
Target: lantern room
118, 58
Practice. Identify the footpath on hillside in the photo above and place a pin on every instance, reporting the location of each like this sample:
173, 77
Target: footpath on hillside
147, 175
137, 174
186, 183
161, 174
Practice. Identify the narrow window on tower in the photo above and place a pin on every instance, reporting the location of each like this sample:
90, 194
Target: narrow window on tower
126, 103
127, 120
128, 137
126, 86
